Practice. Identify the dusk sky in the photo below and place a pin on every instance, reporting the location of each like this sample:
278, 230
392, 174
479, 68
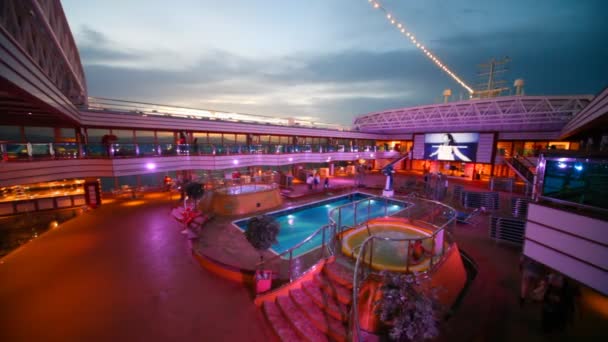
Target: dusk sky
331, 60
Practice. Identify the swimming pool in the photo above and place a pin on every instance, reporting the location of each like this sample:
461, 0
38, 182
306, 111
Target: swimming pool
300, 222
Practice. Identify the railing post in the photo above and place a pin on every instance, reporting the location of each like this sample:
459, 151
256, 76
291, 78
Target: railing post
407, 257
290, 262
355, 214
371, 255
323, 242
432, 250
385, 207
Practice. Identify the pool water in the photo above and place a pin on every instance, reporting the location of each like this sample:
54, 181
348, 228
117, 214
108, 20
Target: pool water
299, 223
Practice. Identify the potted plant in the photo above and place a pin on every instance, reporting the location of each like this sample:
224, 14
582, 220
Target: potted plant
409, 306
194, 191
261, 233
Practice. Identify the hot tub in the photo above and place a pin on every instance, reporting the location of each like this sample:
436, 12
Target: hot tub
245, 199
393, 255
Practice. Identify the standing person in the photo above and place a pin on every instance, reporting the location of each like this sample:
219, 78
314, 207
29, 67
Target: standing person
195, 145
309, 181
531, 272
317, 180
553, 312
571, 295
167, 181
326, 183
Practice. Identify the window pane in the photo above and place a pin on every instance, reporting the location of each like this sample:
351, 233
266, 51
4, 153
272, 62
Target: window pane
215, 138
67, 135
10, 133
165, 137
229, 138
144, 137
124, 136
95, 135
39, 134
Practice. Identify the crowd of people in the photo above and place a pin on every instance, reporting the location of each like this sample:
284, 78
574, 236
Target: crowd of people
313, 181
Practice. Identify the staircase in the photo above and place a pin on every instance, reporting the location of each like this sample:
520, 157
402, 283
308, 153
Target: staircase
318, 311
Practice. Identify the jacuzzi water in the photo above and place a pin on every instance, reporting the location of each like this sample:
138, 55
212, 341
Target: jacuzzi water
243, 189
300, 222
388, 255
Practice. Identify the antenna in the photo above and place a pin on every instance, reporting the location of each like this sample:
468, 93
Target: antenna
519, 86
446, 95
491, 84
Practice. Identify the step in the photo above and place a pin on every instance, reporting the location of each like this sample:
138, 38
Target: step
298, 319
321, 319
339, 273
330, 305
338, 291
279, 323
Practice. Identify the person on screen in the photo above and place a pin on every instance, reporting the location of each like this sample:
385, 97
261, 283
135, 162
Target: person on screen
448, 150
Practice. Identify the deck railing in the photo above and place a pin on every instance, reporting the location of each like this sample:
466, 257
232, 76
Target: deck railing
52, 150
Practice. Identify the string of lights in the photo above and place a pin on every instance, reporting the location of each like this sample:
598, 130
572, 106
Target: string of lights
409, 35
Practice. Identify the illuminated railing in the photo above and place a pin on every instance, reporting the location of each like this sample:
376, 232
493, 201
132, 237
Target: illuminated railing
41, 151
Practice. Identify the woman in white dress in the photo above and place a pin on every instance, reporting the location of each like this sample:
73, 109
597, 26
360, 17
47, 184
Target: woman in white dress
448, 150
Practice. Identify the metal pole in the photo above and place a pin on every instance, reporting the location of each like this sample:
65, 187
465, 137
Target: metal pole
290, 261
385, 211
433, 250
340, 220
355, 214
407, 257
323, 242
371, 255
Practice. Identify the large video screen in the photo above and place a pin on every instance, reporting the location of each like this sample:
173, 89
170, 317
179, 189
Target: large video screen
451, 146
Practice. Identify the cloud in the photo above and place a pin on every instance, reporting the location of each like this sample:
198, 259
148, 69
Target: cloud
338, 86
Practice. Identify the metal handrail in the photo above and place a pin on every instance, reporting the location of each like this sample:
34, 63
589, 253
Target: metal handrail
290, 250
332, 224
353, 318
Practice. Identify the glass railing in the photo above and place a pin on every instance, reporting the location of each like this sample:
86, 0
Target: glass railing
578, 182
40, 151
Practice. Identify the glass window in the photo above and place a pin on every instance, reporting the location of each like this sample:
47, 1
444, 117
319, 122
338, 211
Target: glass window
275, 139
202, 137
95, 135
165, 137
124, 136
67, 135
241, 138
215, 138
10, 133
144, 137
39, 134
504, 148
264, 139
228, 138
